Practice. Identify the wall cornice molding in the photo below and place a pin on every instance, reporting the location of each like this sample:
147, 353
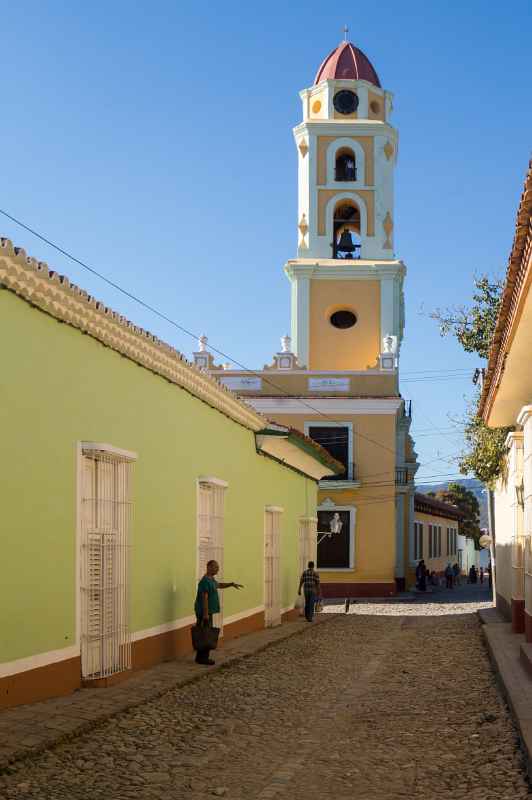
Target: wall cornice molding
336, 269
57, 296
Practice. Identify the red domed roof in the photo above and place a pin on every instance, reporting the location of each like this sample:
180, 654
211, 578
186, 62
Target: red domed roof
347, 62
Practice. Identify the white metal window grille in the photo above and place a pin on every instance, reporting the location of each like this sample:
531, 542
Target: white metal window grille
272, 571
106, 509
211, 499
308, 541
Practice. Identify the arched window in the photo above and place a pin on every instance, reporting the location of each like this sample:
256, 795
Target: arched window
346, 230
345, 167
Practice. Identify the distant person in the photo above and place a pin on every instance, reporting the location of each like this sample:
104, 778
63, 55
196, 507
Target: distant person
208, 603
434, 580
473, 574
421, 576
481, 573
456, 574
310, 581
490, 576
448, 576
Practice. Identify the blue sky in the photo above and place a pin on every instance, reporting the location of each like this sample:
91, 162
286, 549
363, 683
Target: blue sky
154, 142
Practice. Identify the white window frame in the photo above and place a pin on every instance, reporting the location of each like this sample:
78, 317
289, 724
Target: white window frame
126, 456
272, 611
216, 549
328, 506
318, 423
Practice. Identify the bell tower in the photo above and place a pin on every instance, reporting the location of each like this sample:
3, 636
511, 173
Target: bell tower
347, 298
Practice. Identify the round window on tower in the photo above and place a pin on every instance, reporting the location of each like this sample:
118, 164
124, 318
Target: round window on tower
345, 101
343, 319
375, 107
316, 107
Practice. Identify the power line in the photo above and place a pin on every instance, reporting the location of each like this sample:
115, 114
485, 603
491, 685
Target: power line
184, 330
175, 324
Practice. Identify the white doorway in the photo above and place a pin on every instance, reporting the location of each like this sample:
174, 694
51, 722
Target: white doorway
211, 502
105, 521
272, 566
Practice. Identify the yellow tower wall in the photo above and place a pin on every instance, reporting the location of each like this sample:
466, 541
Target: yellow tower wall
354, 348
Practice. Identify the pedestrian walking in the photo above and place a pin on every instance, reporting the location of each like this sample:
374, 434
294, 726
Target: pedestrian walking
208, 603
456, 574
448, 576
490, 575
310, 582
421, 576
481, 573
473, 574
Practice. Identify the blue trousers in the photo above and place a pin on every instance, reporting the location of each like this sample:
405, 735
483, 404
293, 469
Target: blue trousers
310, 599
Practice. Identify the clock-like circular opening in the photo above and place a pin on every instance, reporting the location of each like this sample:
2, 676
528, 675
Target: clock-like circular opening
343, 319
345, 101
375, 107
316, 107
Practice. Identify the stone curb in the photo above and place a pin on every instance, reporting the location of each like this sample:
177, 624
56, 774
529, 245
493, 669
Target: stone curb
9, 763
511, 680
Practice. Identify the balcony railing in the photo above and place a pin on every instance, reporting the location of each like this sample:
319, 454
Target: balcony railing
350, 474
401, 476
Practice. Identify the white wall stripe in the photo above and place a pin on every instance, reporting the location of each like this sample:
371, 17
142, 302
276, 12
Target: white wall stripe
39, 660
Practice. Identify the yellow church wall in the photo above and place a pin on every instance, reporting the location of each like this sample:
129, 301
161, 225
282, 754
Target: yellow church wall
355, 348
366, 142
277, 383
373, 500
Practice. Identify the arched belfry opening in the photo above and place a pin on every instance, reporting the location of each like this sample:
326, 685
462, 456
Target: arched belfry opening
345, 165
346, 230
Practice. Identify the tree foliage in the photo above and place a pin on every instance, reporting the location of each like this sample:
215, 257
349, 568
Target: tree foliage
473, 326
466, 501
485, 454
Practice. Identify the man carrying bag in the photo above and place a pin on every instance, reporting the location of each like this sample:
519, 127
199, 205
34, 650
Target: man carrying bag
204, 635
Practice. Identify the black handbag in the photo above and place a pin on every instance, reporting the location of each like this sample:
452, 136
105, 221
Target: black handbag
204, 637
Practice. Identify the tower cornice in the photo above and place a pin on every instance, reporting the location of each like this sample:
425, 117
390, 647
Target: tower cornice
333, 127
334, 269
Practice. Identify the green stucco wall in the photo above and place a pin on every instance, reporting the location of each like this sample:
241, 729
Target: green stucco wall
59, 387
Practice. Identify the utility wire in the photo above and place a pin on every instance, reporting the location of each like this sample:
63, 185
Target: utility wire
179, 327
175, 324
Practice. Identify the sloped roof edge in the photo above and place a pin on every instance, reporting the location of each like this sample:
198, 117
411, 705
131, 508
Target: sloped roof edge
512, 288
54, 294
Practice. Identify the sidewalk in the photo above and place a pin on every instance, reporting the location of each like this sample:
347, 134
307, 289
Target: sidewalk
511, 659
27, 730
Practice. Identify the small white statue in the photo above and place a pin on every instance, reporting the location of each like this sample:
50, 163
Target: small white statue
336, 524
286, 344
389, 344
202, 343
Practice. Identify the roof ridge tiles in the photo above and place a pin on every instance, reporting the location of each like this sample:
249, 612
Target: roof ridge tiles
78, 308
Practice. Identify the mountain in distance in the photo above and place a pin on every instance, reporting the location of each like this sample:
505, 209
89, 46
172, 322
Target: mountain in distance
478, 489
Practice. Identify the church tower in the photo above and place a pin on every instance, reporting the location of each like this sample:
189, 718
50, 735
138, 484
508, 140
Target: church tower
347, 302
336, 379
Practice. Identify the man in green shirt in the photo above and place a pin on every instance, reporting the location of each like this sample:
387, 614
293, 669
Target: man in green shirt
208, 603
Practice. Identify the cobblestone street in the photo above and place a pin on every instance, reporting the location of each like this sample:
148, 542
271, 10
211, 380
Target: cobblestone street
374, 705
